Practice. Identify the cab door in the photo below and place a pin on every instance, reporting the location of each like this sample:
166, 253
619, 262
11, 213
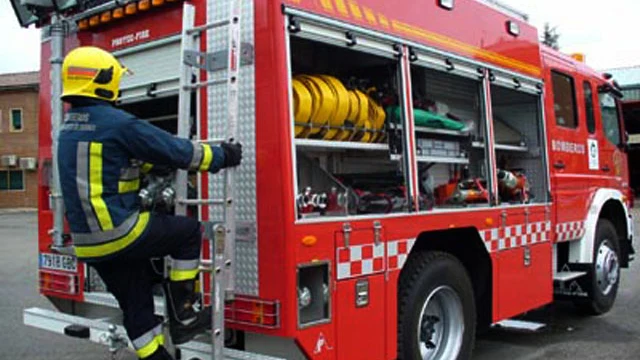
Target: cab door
568, 144
613, 172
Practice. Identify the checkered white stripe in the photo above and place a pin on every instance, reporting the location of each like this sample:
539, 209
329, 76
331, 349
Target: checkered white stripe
514, 236
360, 260
570, 231
398, 251
370, 259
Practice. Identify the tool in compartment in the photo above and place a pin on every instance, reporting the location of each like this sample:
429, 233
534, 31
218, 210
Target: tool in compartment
513, 186
470, 191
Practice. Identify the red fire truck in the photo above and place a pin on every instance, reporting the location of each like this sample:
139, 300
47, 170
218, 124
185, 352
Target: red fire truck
415, 171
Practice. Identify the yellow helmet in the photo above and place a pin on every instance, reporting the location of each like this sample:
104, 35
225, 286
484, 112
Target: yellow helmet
91, 72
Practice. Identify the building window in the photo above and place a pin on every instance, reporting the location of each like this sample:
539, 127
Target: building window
588, 104
11, 180
564, 100
16, 120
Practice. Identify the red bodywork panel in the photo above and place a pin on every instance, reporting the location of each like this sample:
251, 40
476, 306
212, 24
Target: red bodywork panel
472, 30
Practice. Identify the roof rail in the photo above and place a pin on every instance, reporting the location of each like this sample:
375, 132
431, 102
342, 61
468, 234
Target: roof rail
506, 9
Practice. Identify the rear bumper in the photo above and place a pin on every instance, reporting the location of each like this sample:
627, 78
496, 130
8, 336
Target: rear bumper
99, 332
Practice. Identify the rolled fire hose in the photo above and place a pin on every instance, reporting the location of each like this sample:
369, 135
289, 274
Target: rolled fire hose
302, 107
377, 116
342, 106
352, 116
324, 102
361, 119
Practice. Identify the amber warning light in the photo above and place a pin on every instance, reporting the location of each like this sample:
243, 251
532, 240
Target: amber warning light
121, 12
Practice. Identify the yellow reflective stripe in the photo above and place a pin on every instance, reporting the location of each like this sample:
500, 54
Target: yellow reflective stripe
95, 184
207, 157
128, 186
148, 350
179, 275
117, 245
159, 339
146, 168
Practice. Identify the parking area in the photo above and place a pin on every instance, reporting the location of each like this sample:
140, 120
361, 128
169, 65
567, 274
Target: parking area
567, 335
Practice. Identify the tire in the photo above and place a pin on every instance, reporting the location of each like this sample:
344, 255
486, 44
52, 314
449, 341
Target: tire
603, 277
435, 296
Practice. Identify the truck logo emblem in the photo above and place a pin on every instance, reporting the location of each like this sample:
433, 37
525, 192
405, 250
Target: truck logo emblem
321, 345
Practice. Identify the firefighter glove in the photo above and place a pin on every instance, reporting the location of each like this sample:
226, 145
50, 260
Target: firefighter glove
232, 154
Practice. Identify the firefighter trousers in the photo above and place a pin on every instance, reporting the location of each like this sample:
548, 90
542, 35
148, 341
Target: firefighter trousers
130, 276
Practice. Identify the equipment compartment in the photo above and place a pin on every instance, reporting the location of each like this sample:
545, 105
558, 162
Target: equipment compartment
449, 115
519, 146
348, 155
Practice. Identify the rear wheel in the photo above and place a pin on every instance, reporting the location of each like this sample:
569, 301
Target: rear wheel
437, 316
604, 275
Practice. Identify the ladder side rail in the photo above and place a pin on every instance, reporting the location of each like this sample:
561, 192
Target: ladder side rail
233, 74
184, 102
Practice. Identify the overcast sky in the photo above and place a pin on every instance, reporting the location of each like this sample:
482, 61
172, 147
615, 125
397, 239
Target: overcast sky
607, 32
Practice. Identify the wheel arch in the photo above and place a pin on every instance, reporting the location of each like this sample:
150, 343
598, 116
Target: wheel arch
606, 204
468, 247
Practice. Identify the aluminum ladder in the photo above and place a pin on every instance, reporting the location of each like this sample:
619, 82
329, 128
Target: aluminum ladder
221, 235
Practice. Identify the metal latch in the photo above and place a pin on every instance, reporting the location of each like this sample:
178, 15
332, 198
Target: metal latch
526, 216
527, 256
377, 232
346, 231
362, 293
218, 60
504, 218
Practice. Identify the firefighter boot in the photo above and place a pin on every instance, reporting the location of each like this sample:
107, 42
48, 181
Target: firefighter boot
184, 321
160, 354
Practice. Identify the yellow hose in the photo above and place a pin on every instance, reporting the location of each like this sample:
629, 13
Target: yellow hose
324, 102
302, 107
342, 106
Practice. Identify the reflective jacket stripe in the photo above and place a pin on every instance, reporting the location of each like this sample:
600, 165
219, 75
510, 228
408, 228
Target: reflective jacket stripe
128, 186
91, 251
146, 168
196, 158
184, 269
95, 186
131, 173
82, 180
207, 157
147, 343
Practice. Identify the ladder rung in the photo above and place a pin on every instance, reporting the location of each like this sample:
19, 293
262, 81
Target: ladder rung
207, 266
205, 27
212, 141
202, 201
205, 84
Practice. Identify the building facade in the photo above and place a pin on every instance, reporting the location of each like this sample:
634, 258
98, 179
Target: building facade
19, 139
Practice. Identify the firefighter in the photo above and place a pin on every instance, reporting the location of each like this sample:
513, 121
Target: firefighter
102, 153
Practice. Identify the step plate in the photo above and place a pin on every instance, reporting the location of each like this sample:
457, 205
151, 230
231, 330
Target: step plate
520, 325
564, 276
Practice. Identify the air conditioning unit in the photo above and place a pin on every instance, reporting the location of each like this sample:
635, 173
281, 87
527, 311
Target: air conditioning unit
28, 163
9, 160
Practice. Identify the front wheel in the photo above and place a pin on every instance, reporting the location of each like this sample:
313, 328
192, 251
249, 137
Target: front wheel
604, 275
437, 314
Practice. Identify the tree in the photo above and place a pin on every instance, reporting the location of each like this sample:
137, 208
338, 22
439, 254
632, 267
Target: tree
551, 36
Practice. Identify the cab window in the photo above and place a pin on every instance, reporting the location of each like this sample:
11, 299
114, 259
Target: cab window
564, 103
610, 117
588, 105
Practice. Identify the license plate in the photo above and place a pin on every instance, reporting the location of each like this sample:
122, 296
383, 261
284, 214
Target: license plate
58, 262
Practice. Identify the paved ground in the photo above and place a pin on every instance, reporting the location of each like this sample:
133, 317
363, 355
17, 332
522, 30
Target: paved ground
567, 336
